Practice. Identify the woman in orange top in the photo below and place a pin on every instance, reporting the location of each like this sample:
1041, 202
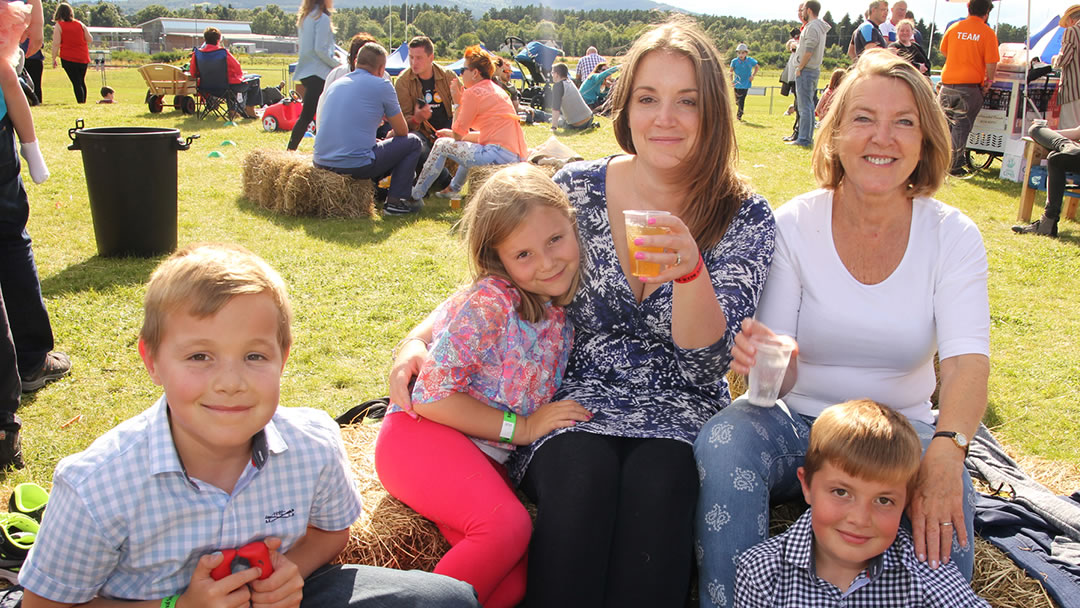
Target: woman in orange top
72, 41
486, 130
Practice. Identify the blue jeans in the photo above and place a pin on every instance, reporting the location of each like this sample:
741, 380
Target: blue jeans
805, 85
396, 156
353, 586
466, 154
27, 317
747, 458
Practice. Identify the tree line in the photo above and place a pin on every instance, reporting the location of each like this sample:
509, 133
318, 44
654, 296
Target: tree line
454, 28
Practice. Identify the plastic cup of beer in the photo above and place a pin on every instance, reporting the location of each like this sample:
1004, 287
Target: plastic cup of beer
637, 224
770, 366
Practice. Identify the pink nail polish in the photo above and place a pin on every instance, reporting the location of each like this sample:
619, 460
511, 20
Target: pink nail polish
639, 241
650, 221
639, 256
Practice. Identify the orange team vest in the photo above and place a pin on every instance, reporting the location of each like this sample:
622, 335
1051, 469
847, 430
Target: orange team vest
968, 46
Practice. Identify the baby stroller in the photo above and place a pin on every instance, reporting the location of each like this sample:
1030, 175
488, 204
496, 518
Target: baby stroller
535, 60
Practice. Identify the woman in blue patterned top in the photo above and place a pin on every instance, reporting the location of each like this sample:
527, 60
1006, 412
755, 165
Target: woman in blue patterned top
616, 494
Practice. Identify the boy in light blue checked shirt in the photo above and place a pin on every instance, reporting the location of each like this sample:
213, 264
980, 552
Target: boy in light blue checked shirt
143, 514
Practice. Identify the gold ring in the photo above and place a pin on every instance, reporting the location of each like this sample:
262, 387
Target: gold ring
946, 523
678, 258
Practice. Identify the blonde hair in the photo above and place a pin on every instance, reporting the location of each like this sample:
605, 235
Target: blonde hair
864, 439
497, 209
714, 189
910, 22
308, 6
936, 153
200, 279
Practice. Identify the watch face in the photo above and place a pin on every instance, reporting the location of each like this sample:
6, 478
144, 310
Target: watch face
960, 440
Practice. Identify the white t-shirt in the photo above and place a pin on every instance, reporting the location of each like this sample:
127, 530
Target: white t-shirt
875, 341
888, 31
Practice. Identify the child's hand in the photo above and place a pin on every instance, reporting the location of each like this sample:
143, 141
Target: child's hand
284, 588
204, 592
547, 418
411, 355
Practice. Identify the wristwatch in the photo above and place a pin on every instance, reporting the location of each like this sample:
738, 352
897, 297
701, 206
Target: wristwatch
959, 439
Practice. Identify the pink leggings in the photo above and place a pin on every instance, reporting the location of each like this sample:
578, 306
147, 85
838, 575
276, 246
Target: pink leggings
443, 476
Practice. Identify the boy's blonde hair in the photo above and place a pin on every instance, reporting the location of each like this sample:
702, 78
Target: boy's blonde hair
865, 439
201, 278
497, 209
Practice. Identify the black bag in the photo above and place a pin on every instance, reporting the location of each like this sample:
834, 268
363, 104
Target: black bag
786, 87
374, 409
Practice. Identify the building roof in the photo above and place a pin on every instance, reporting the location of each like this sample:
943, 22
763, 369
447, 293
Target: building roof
134, 31
176, 25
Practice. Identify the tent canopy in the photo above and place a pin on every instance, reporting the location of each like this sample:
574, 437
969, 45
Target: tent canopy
1046, 42
397, 61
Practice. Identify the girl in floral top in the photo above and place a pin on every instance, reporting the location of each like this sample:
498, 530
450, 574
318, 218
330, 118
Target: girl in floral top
497, 354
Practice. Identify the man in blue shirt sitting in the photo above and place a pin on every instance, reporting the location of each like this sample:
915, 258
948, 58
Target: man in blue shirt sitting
354, 107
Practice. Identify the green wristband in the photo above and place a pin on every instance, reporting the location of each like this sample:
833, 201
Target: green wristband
509, 425
169, 602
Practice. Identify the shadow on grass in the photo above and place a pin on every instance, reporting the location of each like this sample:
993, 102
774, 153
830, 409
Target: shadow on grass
354, 232
99, 274
753, 125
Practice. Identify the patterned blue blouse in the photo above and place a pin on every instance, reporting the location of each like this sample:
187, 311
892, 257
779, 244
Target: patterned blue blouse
624, 365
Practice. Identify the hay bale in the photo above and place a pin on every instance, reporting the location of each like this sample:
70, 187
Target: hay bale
287, 182
480, 174
388, 534
312, 191
392, 535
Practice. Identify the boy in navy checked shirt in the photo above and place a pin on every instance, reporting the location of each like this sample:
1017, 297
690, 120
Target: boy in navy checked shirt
143, 514
848, 548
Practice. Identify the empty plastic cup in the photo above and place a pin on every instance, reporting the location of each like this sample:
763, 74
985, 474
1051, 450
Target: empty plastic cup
770, 366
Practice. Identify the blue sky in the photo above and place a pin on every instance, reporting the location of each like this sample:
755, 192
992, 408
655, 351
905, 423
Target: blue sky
1011, 11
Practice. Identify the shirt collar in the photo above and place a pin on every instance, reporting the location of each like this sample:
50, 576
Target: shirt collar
163, 456
799, 549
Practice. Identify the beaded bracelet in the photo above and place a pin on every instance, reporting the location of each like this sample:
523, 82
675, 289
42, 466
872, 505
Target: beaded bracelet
394, 351
693, 274
169, 602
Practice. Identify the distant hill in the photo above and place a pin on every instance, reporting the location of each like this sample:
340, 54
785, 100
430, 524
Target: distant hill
478, 7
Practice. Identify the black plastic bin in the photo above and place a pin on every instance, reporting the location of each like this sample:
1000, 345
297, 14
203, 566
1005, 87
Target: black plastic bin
131, 180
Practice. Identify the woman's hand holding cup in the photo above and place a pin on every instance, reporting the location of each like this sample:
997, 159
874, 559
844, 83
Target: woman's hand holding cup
660, 245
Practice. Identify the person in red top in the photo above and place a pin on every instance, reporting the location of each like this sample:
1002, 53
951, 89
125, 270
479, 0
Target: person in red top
971, 56
72, 41
238, 83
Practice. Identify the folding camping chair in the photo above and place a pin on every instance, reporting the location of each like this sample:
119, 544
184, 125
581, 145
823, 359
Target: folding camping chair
214, 94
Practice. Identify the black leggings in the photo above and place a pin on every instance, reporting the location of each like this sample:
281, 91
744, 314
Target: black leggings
313, 86
76, 73
614, 525
34, 68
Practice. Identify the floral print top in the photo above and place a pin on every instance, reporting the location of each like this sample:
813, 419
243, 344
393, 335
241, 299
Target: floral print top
481, 347
624, 366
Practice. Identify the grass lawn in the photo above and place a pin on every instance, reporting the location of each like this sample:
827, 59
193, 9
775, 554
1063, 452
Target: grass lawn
358, 285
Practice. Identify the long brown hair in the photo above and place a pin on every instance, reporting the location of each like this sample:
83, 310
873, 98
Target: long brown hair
714, 189
307, 6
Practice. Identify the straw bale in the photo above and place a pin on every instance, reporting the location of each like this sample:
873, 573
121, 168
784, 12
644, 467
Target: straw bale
312, 191
480, 174
389, 533
392, 535
286, 182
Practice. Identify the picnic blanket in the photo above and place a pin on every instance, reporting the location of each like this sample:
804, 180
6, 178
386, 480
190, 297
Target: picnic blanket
1035, 528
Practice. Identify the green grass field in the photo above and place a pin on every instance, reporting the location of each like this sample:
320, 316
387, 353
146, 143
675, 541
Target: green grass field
358, 285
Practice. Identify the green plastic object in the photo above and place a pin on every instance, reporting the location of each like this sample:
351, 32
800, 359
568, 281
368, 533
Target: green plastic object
215, 154
230, 124
228, 142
